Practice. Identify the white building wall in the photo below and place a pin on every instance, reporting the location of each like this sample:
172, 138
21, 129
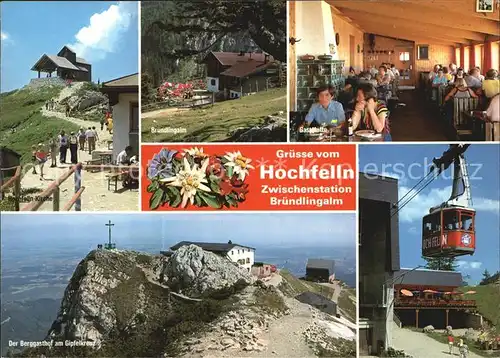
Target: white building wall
314, 25
213, 84
121, 122
242, 253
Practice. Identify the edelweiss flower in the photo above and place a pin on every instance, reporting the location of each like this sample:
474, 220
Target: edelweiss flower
239, 163
196, 152
190, 180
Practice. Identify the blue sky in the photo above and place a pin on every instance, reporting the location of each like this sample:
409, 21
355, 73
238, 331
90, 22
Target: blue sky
412, 164
105, 33
162, 231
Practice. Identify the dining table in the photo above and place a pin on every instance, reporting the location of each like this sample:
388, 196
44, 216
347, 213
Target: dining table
323, 137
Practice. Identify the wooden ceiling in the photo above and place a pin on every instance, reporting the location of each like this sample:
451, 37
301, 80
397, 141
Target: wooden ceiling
444, 22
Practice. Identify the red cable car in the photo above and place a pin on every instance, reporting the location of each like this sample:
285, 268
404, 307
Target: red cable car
449, 232
449, 229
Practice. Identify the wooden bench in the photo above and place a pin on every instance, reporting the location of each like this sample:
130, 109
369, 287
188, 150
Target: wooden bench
113, 179
461, 121
94, 162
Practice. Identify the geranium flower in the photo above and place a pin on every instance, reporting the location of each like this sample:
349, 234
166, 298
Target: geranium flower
190, 180
196, 152
161, 164
239, 163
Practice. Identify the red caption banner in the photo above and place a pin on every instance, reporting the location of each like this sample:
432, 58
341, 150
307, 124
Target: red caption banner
248, 177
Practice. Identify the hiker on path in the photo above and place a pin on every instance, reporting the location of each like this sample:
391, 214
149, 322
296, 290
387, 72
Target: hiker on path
109, 124
81, 138
33, 158
63, 147
451, 341
96, 135
73, 147
47, 105
463, 349
67, 110
90, 134
41, 157
54, 147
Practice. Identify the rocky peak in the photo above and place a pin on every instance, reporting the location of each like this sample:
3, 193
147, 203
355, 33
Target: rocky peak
114, 293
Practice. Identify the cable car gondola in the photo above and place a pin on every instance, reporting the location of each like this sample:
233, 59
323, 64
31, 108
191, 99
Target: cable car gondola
449, 229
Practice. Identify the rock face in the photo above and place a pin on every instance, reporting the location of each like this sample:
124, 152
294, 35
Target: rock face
273, 130
88, 309
197, 273
115, 292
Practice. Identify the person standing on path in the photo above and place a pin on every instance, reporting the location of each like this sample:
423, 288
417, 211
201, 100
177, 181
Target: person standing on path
90, 134
53, 145
33, 158
103, 122
96, 135
73, 147
67, 110
451, 341
81, 138
109, 123
41, 157
63, 147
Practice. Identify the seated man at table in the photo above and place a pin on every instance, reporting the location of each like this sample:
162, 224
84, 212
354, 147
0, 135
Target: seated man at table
473, 80
125, 156
326, 111
369, 113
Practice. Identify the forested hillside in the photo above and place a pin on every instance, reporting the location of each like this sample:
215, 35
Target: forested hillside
176, 35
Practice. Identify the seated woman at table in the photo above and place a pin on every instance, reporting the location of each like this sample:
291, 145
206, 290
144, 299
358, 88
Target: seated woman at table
461, 90
447, 74
440, 79
459, 74
369, 113
326, 111
383, 78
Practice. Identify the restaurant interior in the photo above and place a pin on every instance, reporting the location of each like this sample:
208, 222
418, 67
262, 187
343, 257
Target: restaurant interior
379, 60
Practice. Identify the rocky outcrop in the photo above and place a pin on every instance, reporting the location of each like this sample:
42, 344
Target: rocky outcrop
115, 292
88, 309
273, 129
197, 273
85, 101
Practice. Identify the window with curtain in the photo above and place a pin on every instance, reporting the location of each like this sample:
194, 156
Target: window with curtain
404, 56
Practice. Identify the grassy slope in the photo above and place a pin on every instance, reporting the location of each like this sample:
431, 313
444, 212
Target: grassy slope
213, 124
20, 110
488, 302
345, 302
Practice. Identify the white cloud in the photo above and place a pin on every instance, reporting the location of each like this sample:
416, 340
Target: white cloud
469, 265
102, 36
413, 230
6, 38
419, 206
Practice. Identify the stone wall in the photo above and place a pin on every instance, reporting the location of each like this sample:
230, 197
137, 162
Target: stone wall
47, 81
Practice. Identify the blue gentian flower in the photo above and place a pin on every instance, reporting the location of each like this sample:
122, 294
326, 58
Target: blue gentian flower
161, 164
